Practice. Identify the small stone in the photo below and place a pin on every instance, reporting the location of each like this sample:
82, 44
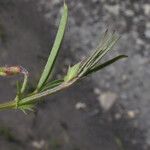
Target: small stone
146, 8
97, 91
112, 9
107, 99
38, 144
124, 77
129, 13
80, 105
139, 41
147, 33
131, 114
147, 24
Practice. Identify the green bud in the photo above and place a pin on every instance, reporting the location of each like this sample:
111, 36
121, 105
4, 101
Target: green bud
72, 72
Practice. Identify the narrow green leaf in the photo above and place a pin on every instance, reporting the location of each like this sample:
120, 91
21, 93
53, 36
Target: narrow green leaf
24, 85
108, 41
103, 48
111, 43
52, 84
95, 51
54, 52
26, 107
105, 64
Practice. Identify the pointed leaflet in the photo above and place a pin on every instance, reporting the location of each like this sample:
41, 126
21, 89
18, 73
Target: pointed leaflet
103, 48
110, 44
107, 43
105, 64
54, 52
96, 51
27, 107
72, 72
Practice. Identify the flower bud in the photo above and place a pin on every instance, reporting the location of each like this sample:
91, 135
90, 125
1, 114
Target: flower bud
13, 70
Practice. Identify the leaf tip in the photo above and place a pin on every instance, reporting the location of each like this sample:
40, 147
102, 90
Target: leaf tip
65, 5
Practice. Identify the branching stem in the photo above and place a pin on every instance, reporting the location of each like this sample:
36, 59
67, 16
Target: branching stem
35, 97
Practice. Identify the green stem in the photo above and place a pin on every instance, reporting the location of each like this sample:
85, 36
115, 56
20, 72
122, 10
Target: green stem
24, 84
8, 105
35, 97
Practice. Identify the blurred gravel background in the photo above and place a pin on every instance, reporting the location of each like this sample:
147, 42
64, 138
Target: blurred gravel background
107, 111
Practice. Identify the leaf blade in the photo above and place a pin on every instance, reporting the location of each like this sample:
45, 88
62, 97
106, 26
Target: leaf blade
105, 64
108, 41
55, 49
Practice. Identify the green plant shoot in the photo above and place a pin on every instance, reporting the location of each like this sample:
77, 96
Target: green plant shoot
26, 101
